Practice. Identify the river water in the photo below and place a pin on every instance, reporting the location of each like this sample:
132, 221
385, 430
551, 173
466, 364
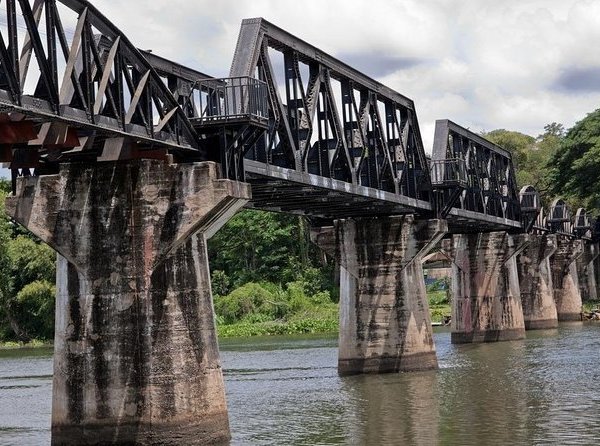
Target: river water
285, 391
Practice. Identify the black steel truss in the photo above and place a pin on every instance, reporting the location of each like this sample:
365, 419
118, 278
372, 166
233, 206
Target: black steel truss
532, 212
329, 120
489, 191
93, 85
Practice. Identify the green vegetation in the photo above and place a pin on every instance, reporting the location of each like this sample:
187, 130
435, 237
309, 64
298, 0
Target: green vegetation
27, 276
530, 155
35, 343
438, 295
574, 168
267, 278
269, 309
590, 305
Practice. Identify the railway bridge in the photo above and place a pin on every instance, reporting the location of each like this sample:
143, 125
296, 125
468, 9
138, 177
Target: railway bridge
126, 163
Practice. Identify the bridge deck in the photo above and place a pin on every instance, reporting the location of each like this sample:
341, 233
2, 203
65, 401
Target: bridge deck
286, 190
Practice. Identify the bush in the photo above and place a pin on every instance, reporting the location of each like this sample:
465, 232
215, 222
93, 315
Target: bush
219, 283
439, 285
250, 298
34, 308
438, 298
312, 280
296, 296
267, 302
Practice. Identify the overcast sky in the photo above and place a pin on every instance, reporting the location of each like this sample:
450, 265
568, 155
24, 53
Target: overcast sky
486, 64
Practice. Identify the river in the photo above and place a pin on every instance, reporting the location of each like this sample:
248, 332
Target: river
285, 391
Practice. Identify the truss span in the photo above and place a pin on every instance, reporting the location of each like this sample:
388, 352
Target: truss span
72, 86
331, 130
484, 196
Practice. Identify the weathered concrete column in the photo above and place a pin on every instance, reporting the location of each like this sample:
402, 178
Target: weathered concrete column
564, 278
385, 324
586, 273
535, 282
486, 298
136, 358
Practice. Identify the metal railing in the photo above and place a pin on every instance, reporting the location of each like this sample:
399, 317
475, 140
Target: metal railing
233, 99
449, 172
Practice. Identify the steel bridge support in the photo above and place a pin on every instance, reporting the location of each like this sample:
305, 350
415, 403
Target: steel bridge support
565, 279
486, 305
586, 273
384, 316
136, 358
535, 281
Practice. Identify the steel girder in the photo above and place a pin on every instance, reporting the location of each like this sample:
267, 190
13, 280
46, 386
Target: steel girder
329, 120
90, 94
490, 195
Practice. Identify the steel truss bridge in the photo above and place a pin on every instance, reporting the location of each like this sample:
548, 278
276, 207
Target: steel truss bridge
312, 135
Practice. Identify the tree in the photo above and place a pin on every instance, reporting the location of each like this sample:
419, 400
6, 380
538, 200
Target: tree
27, 290
518, 144
5, 186
5, 269
33, 310
573, 169
530, 155
31, 261
553, 129
257, 246
547, 144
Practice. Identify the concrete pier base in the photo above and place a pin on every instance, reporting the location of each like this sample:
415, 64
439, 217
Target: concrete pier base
565, 279
586, 273
486, 298
535, 282
384, 316
136, 358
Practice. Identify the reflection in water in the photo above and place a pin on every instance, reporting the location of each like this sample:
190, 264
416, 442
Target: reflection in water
483, 395
397, 408
539, 391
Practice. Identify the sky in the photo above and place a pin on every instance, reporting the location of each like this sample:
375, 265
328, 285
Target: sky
485, 64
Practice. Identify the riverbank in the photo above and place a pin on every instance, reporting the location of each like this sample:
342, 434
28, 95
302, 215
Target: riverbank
320, 319
35, 343
270, 328
591, 305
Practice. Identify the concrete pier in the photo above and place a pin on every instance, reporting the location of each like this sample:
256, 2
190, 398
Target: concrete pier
535, 282
486, 298
384, 316
565, 279
586, 273
136, 358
